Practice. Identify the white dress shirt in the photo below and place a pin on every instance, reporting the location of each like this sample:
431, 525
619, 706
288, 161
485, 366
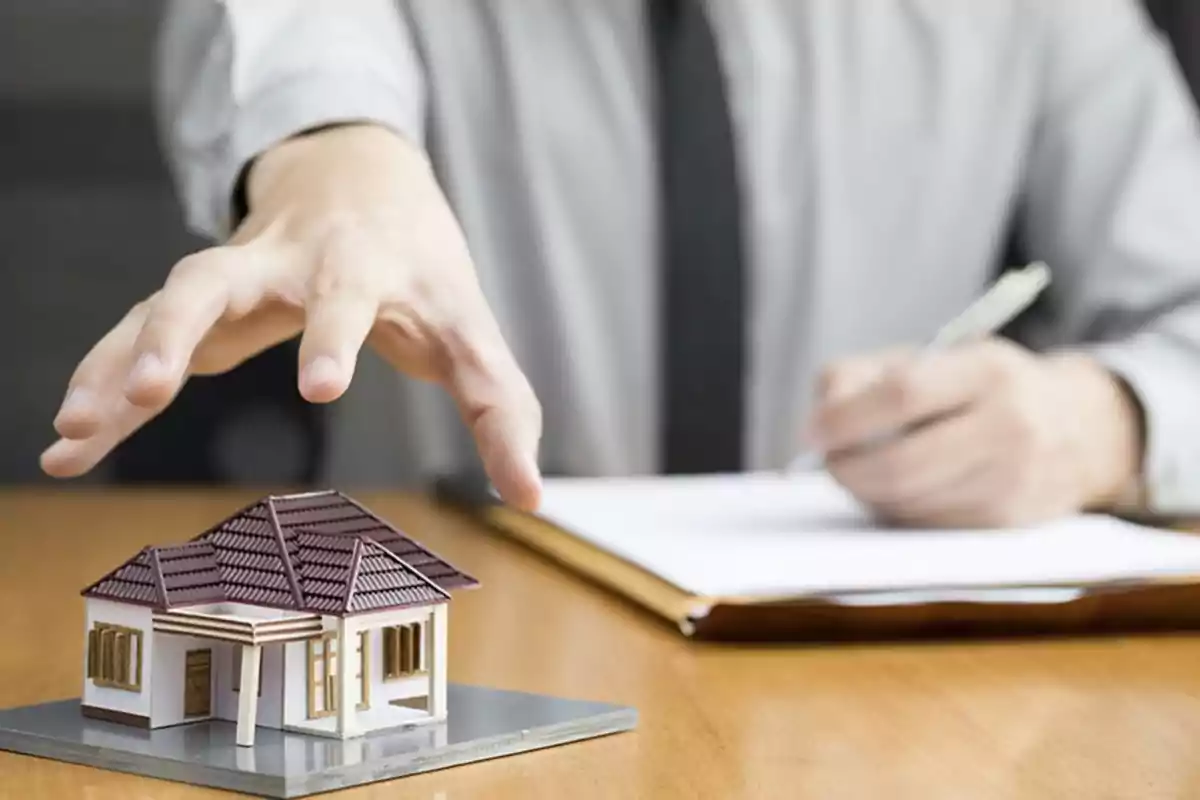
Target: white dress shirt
887, 145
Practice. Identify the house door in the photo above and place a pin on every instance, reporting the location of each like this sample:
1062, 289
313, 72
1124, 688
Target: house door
197, 684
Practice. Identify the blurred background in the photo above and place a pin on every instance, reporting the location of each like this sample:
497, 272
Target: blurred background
89, 224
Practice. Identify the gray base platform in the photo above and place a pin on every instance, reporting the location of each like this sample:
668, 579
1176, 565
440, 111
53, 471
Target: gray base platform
483, 723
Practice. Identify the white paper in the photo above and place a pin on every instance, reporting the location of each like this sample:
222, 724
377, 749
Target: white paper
769, 535
910, 597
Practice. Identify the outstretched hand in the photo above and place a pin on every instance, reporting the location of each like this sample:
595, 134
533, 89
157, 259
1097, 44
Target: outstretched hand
349, 241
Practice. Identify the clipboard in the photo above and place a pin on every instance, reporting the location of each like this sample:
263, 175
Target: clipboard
1160, 605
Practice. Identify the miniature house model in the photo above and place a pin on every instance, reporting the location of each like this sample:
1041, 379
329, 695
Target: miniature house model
303, 612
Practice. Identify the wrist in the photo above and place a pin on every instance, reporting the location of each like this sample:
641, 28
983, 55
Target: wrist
1107, 432
331, 163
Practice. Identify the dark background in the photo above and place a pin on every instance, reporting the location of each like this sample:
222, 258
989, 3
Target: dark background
89, 224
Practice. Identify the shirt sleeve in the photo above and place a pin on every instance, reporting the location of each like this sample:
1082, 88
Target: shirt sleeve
1112, 204
235, 77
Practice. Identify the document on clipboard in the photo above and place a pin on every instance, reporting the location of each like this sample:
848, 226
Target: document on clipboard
793, 556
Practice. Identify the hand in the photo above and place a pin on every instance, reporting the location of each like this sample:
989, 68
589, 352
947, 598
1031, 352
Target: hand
349, 240
989, 435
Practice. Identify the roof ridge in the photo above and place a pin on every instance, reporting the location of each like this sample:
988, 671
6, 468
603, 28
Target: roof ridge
207, 534
159, 580
112, 573
302, 495
406, 537
371, 543
355, 564
284, 556
329, 534
184, 545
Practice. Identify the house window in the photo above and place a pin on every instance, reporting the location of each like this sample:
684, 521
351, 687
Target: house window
403, 654
322, 676
114, 657
237, 670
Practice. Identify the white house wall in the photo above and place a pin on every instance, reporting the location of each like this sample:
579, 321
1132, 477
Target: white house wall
351, 752
383, 691
129, 616
270, 704
295, 673
383, 619
170, 660
380, 714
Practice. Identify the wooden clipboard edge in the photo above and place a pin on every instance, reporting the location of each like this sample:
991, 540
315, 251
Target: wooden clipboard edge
601, 566
1127, 609
697, 615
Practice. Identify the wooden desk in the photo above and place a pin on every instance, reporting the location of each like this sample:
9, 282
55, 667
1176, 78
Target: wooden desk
1117, 718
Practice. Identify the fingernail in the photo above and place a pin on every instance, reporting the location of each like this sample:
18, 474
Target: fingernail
531, 496
149, 367
531, 467
76, 401
321, 371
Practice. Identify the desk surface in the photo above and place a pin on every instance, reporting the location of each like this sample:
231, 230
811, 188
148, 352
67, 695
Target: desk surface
1114, 718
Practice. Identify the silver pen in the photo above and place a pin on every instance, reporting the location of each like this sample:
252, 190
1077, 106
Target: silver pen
1008, 297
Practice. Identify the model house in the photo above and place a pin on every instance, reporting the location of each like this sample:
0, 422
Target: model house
302, 612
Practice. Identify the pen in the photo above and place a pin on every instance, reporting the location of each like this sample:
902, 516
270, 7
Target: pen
1008, 297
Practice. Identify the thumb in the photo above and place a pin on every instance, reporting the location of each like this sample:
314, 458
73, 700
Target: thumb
849, 377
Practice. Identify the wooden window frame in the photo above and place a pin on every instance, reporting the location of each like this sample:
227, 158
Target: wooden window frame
326, 657
111, 651
404, 651
364, 670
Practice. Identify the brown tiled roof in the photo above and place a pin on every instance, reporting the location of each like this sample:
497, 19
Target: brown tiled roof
321, 553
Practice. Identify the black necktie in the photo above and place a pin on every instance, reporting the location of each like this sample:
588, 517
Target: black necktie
703, 293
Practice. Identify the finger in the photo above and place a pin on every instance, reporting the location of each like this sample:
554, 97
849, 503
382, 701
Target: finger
341, 311
847, 377
96, 383
997, 494
191, 301
70, 458
500, 409
984, 499
910, 394
236, 341
973, 499
923, 464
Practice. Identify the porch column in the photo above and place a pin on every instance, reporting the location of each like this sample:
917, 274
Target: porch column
438, 654
248, 696
347, 719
